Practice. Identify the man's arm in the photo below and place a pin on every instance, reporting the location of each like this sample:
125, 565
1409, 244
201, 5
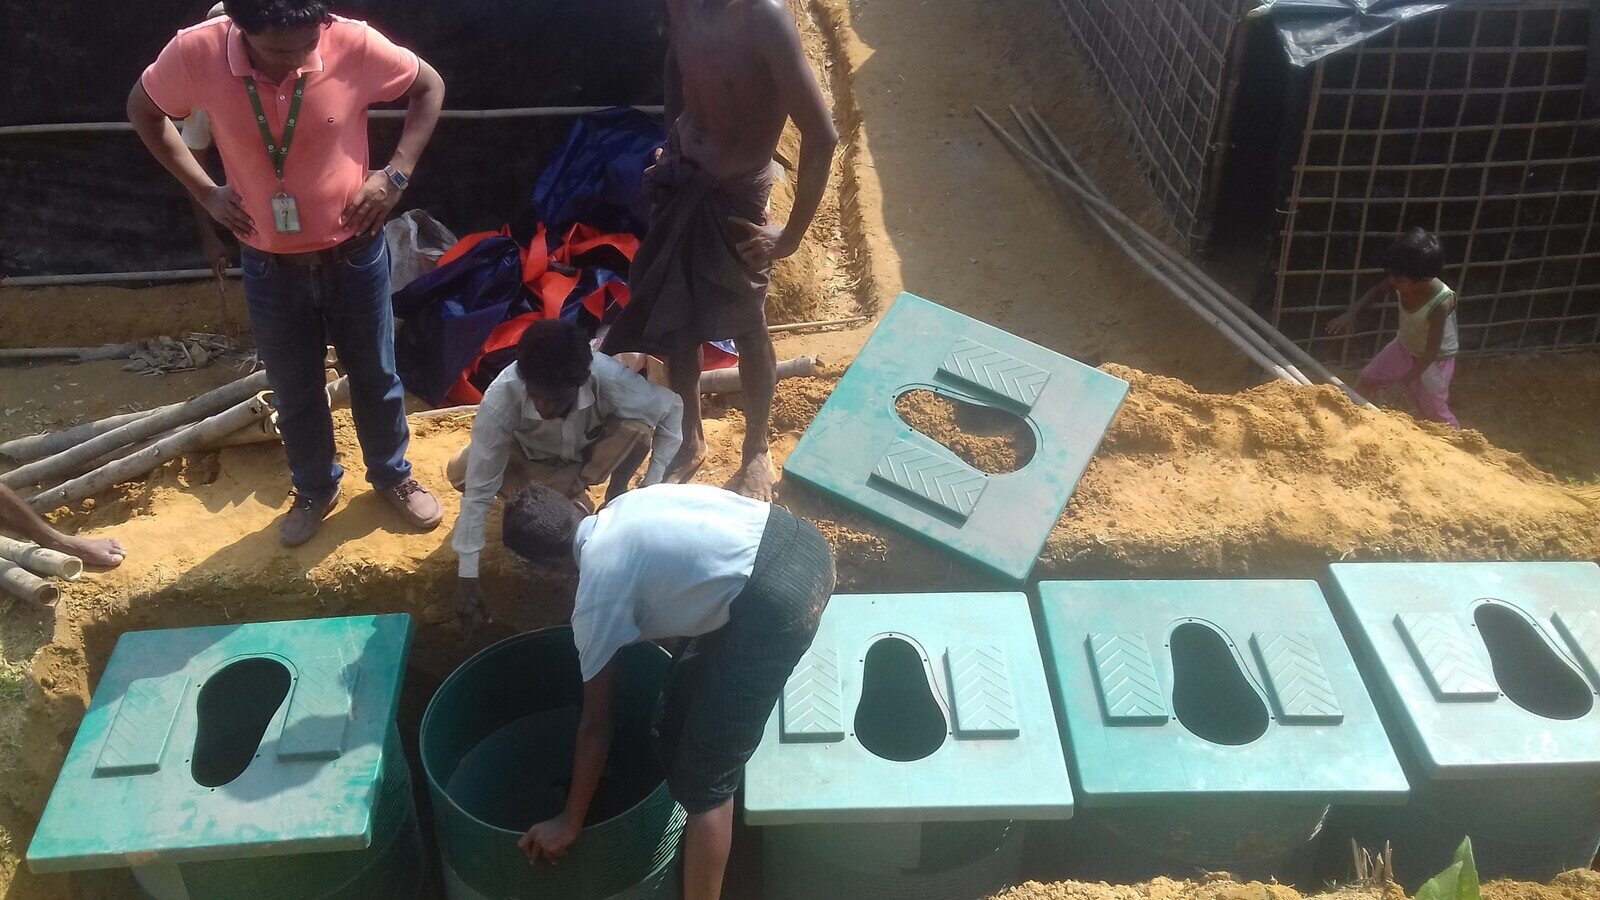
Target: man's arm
632, 396
377, 196
801, 97
1347, 319
212, 249
596, 725
671, 83
161, 137
492, 436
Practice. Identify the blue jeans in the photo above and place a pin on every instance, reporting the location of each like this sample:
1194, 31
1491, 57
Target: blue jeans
295, 311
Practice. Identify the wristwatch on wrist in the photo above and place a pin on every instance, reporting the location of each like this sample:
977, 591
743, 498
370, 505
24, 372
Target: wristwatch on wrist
396, 178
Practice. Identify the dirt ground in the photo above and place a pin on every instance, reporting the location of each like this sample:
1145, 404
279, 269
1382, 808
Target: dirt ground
1574, 885
1195, 476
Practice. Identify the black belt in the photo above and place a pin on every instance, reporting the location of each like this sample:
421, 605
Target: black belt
327, 257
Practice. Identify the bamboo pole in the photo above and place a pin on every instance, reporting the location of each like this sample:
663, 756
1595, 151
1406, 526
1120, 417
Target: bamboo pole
38, 446
70, 354
1280, 367
207, 404
20, 583
190, 438
726, 381
1194, 305
41, 560
825, 323
519, 112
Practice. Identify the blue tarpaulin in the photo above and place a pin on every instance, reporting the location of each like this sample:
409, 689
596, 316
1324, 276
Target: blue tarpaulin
1312, 29
594, 178
450, 312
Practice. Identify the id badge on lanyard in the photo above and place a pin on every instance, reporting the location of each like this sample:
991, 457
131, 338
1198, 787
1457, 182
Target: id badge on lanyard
285, 212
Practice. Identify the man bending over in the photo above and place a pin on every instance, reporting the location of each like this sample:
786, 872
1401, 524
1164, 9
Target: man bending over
745, 579
735, 72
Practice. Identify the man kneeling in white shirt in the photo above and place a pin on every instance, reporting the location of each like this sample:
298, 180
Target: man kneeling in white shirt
565, 417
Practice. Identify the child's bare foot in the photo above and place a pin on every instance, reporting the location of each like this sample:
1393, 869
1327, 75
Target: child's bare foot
754, 479
691, 456
103, 553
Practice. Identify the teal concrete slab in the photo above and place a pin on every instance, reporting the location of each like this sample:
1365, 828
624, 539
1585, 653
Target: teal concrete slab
126, 795
999, 753
860, 451
1414, 627
1108, 645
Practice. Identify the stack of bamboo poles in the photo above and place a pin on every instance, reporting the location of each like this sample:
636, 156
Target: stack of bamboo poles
25, 566
81, 461
1232, 318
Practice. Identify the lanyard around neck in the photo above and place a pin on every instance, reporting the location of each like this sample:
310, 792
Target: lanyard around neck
277, 151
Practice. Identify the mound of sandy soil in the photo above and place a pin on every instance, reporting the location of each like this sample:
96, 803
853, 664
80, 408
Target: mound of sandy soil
1579, 884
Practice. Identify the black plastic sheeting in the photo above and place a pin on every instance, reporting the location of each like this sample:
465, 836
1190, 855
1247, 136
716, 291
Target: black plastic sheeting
97, 202
1312, 29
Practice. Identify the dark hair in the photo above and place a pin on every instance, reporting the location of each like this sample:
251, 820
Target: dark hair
255, 16
554, 353
539, 523
1415, 254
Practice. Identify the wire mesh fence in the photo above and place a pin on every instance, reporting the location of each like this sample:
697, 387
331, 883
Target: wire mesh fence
1474, 124
1164, 64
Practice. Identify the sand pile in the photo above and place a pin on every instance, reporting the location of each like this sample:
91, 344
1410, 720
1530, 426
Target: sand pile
1579, 884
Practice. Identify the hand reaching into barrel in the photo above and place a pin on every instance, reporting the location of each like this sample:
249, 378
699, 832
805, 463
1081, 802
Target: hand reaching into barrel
549, 839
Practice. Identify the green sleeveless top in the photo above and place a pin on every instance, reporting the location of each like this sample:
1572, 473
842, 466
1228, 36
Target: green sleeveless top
1414, 325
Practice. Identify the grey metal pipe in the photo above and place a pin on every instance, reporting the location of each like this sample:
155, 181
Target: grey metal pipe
517, 112
105, 277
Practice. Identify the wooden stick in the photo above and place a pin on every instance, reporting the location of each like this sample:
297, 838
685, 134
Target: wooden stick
71, 354
726, 381
20, 583
38, 446
207, 404
1290, 350
825, 323
1194, 305
445, 411
129, 467
1279, 366
40, 560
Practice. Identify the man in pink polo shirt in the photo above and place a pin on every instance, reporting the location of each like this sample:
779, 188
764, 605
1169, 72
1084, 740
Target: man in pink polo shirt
287, 85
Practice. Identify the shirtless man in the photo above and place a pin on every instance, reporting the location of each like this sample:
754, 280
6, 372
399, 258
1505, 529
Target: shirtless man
735, 73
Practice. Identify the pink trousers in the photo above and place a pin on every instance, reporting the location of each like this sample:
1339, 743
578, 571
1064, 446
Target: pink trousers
1431, 392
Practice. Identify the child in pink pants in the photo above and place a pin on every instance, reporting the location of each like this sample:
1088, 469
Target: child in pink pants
1422, 357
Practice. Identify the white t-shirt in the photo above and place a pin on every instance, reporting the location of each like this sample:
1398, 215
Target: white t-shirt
661, 561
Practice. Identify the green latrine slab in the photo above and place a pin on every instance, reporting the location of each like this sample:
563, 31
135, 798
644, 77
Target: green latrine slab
1425, 632
1132, 737
859, 449
128, 795
987, 750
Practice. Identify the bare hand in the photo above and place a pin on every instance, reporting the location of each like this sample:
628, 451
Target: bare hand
371, 204
549, 839
1339, 324
763, 244
470, 614
224, 205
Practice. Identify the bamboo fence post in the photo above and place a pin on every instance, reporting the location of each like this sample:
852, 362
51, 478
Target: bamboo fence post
190, 438
207, 404
41, 560
24, 585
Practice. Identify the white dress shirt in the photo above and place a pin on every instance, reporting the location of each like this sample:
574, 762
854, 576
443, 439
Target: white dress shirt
660, 562
507, 416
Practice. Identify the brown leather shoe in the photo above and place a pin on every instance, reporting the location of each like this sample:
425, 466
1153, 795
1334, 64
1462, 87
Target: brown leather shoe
305, 518
415, 504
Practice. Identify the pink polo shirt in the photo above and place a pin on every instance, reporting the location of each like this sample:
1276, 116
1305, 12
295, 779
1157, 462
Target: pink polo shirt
353, 67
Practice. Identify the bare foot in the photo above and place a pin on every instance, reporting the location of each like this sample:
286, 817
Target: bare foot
754, 479
103, 553
691, 456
